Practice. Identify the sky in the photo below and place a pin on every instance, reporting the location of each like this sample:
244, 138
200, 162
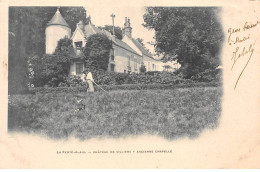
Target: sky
135, 13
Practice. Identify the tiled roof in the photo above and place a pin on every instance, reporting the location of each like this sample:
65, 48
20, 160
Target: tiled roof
141, 48
90, 29
57, 19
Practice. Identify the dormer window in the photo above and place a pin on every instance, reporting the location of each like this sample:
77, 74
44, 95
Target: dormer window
78, 44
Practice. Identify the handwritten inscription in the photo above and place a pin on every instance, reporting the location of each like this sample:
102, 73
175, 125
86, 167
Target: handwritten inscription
244, 48
238, 54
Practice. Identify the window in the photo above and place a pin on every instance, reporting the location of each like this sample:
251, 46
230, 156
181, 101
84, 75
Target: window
78, 44
153, 66
112, 57
112, 67
112, 54
129, 60
79, 68
135, 64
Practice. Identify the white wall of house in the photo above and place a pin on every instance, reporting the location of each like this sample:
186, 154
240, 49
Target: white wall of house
123, 58
53, 34
150, 64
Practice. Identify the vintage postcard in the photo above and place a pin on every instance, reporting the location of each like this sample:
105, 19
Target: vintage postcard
130, 84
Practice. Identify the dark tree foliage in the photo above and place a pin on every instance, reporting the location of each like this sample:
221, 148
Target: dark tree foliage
118, 31
27, 38
97, 51
192, 36
53, 69
141, 41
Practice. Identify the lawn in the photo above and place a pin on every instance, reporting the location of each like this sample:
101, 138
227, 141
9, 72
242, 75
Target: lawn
168, 113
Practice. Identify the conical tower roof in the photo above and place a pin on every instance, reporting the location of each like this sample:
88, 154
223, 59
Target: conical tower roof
57, 19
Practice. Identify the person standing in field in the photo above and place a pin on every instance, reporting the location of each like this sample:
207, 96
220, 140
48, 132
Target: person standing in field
90, 81
83, 77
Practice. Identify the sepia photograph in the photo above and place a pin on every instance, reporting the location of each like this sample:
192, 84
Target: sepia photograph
117, 84
70, 76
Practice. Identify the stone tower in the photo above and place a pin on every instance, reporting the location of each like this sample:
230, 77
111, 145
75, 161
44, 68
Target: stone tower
57, 28
127, 30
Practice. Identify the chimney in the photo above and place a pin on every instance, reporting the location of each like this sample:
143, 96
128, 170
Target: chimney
80, 25
127, 30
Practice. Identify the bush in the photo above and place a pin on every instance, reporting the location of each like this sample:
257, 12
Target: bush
111, 78
208, 76
78, 89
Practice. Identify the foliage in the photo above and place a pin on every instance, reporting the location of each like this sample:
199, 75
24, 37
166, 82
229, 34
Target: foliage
51, 69
167, 67
27, 38
167, 113
35, 69
74, 81
118, 31
208, 76
112, 78
76, 86
97, 51
73, 15
192, 36
104, 78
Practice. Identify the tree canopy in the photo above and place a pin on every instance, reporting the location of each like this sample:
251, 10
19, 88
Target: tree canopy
97, 51
51, 69
191, 36
27, 38
118, 30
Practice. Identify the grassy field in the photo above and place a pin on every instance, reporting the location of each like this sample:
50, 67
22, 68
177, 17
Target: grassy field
167, 113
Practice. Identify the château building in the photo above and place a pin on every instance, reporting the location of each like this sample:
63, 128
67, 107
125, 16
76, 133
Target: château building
126, 56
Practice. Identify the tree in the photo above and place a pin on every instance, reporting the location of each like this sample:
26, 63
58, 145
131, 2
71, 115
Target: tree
27, 38
118, 31
51, 69
97, 51
192, 36
57, 66
141, 41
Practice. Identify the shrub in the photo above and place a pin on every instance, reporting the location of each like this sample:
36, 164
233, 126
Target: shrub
112, 78
208, 76
73, 81
102, 77
97, 50
79, 88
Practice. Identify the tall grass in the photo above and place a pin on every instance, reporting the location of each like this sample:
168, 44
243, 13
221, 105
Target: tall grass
167, 113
